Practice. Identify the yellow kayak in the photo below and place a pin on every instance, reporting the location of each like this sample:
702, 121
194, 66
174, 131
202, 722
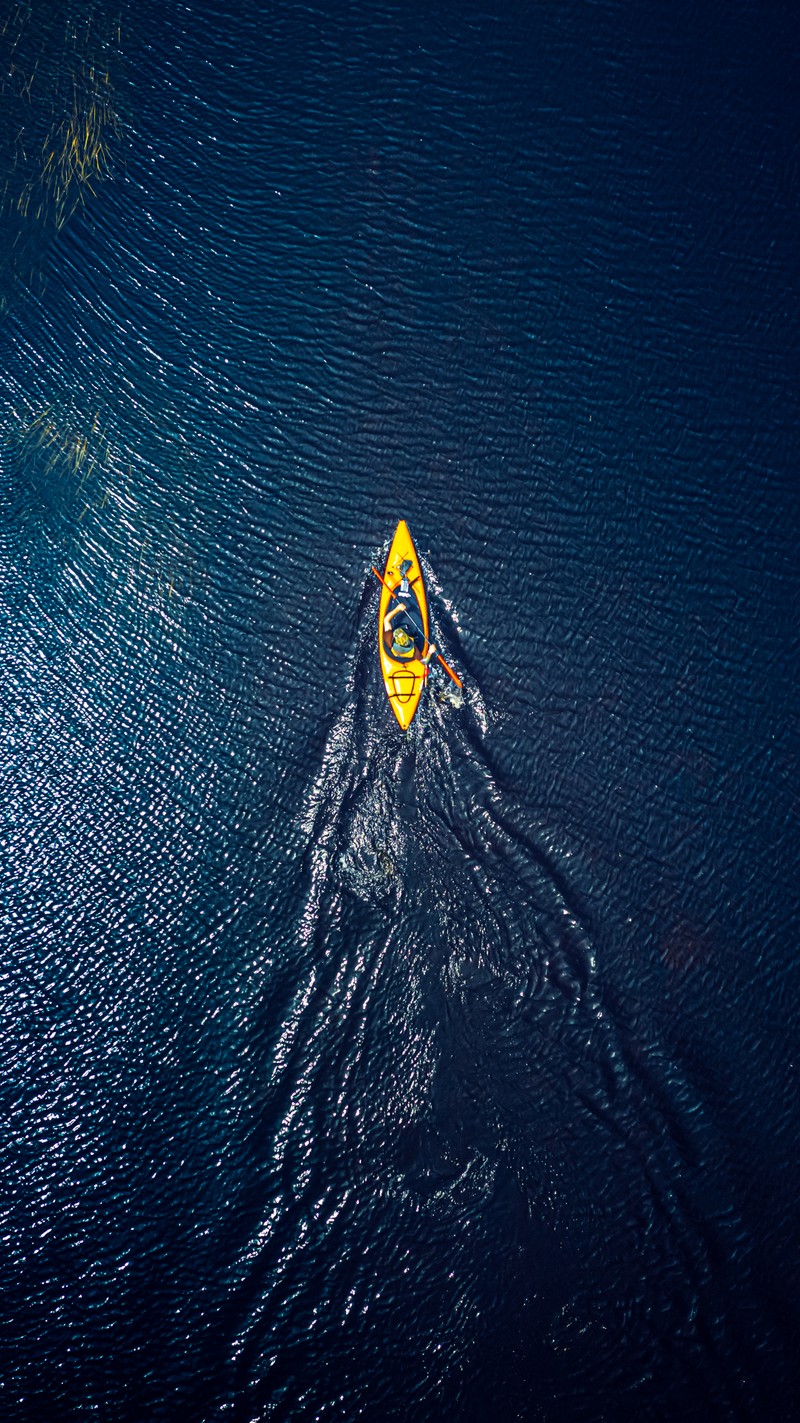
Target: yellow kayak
403, 627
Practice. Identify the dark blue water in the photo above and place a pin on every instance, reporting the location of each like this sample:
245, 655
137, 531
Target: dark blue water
349, 1075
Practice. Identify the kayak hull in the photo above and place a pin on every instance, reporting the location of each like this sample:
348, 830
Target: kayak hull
404, 680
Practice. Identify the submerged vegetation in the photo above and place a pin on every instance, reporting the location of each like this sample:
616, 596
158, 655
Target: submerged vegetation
59, 120
60, 449
76, 156
67, 445
77, 464
60, 138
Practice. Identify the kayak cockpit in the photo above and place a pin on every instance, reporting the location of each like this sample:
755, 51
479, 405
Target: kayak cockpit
407, 620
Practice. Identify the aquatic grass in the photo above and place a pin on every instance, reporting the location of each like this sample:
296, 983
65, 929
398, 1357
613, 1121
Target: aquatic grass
59, 445
59, 116
76, 157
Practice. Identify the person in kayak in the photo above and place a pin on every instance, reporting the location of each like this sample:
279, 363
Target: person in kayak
404, 647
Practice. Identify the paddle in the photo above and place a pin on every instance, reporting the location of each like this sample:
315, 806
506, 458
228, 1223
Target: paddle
416, 625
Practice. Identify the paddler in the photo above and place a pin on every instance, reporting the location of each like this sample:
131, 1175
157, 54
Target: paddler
403, 645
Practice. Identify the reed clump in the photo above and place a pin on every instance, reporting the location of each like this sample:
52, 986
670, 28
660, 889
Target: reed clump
57, 441
72, 449
59, 118
76, 156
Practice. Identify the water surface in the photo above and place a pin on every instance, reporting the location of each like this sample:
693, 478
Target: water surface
349, 1074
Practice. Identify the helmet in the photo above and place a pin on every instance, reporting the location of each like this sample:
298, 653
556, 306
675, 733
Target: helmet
402, 637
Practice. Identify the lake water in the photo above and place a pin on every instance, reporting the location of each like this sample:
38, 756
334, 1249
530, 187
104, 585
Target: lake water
350, 1074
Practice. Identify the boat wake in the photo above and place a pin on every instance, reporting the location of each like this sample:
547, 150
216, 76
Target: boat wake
453, 1102
465, 954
